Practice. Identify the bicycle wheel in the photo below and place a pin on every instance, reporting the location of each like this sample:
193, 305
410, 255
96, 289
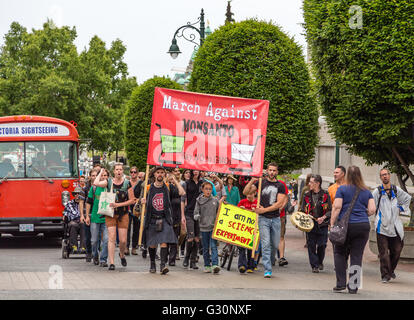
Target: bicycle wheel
232, 252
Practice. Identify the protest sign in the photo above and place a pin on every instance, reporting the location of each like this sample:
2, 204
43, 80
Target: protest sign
236, 226
208, 132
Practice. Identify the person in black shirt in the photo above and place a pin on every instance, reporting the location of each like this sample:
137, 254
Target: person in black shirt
159, 218
133, 224
176, 214
188, 202
124, 198
273, 198
317, 203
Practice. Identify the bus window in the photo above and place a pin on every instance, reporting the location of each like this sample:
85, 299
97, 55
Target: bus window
11, 160
51, 159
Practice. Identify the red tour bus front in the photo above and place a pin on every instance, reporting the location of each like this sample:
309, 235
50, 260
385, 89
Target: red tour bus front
38, 172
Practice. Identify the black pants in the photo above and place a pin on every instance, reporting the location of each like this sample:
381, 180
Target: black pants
356, 240
88, 237
75, 228
316, 240
134, 225
245, 261
389, 249
173, 247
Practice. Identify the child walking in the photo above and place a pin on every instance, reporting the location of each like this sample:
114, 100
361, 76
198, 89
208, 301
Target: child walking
205, 211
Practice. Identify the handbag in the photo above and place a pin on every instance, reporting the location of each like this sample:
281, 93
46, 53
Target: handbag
338, 232
105, 199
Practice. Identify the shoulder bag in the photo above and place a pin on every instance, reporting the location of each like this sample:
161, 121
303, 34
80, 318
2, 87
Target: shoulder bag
105, 199
338, 232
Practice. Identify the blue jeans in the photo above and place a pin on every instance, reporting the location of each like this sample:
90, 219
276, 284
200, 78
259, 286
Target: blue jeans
269, 229
208, 243
96, 230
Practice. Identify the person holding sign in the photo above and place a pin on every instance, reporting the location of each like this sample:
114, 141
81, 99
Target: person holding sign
247, 263
159, 218
205, 212
273, 198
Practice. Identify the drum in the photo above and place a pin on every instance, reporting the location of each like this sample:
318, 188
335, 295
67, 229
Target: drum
302, 221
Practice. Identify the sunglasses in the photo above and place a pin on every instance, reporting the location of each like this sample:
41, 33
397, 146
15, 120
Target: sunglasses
132, 172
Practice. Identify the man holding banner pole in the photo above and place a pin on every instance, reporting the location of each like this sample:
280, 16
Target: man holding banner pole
272, 199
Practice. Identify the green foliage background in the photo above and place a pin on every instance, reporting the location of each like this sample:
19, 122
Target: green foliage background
254, 59
365, 76
41, 73
138, 115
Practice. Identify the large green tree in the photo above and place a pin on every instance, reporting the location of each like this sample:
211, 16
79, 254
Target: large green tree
255, 59
138, 115
41, 73
363, 60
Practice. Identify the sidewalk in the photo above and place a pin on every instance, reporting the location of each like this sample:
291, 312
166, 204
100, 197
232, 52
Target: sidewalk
294, 281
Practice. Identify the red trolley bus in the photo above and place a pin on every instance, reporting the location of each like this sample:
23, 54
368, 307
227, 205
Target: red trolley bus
38, 172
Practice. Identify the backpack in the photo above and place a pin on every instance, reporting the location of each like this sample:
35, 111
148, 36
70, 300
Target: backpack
393, 188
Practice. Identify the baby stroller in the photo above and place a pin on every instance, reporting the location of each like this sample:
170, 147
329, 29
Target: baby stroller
67, 250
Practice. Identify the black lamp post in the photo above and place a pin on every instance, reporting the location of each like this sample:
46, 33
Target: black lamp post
174, 49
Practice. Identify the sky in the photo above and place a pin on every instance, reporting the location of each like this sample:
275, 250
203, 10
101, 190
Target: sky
146, 28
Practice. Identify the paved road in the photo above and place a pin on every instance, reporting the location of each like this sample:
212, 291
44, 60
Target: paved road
25, 265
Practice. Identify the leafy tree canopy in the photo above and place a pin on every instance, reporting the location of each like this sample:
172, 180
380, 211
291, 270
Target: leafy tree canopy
254, 59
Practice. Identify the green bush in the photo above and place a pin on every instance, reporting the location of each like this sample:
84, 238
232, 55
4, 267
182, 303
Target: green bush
138, 116
365, 75
254, 59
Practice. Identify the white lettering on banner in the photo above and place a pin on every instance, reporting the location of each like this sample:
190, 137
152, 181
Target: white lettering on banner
32, 129
216, 113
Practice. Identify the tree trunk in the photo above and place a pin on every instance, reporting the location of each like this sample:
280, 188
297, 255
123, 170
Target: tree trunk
402, 182
116, 155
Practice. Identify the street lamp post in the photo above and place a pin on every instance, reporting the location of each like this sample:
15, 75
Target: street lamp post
174, 49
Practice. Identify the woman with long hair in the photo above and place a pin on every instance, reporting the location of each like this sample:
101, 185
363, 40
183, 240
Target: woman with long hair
358, 229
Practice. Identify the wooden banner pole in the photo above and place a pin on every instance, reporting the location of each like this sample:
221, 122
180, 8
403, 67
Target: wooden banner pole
259, 193
143, 206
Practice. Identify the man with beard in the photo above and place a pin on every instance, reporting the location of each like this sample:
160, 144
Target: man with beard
158, 218
273, 199
390, 201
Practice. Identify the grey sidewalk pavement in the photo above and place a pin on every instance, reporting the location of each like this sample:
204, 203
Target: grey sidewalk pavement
294, 281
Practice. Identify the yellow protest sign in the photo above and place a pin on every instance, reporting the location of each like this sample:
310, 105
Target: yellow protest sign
235, 225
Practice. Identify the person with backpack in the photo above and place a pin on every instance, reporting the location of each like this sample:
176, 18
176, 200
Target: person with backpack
390, 201
99, 231
124, 198
158, 219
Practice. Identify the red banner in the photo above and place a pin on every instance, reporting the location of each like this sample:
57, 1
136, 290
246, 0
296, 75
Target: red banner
208, 132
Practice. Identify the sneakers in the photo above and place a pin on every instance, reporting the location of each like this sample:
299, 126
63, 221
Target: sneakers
83, 250
315, 270
385, 280
268, 275
88, 257
96, 261
74, 249
207, 269
393, 276
103, 264
216, 269
144, 253
249, 271
134, 251
242, 269
193, 265
186, 262
321, 267
283, 262
126, 252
